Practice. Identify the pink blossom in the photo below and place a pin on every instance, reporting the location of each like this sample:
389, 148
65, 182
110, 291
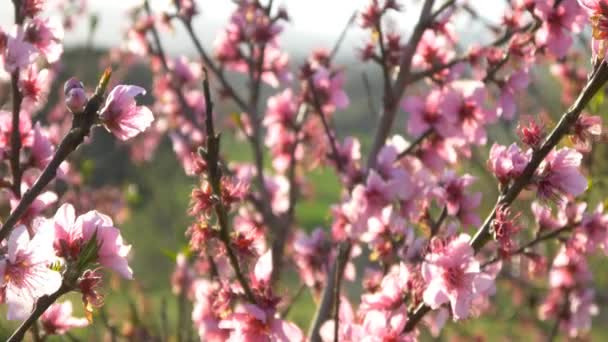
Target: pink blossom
558, 24
506, 102
452, 194
42, 202
73, 233
438, 111
208, 298
311, 255
504, 228
569, 269
47, 36
453, 275
545, 219
559, 176
329, 89
250, 323
391, 292
380, 326
598, 13
507, 163
580, 308
184, 71
58, 319
42, 148
122, 116
19, 53
472, 116
593, 230
182, 277
25, 271
348, 329
586, 129
34, 84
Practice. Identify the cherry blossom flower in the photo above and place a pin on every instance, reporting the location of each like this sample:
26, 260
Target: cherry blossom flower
586, 129
26, 275
329, 89
558, 23
207, 312
379, 326
453, 275
19, 53
122, 116
438, 111
73, 233
47, 36
391, 292
58, 319
559, 176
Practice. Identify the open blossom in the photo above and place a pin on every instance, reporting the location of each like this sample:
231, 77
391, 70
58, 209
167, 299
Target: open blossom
18, 53
593, 230
516, 82
33, 84
559, 176
58, 319
438, 111
391, 292
330, 90
25, 271
559, 22
569, 268
209, 302
453, 275
47, 36
472, 116
122, 116
380, 326
73, 233
598, 13
545, 219
586, 129
452, 193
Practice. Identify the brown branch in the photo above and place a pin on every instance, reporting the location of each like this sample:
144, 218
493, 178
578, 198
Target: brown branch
391, 99
40, 307
17, 99
552, 234
414, 144
214, 174
330, 291
342, 36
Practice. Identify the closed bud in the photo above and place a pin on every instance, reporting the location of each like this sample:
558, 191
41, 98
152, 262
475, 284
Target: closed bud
72, 83
76, 99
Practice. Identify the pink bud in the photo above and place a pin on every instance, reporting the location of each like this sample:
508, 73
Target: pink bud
76, 99
71, 84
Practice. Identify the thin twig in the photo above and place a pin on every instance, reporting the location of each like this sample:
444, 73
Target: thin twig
552, 234
214, 174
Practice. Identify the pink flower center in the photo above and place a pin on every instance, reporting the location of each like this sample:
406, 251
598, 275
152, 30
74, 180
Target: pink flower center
17, 272
453, 277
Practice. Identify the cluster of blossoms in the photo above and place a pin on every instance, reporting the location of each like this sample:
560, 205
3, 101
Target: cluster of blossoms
407, 220
43, 258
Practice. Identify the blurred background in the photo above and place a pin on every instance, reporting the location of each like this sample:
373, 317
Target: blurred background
153, 196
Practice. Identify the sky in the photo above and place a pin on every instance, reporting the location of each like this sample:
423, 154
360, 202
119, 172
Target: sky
314, 23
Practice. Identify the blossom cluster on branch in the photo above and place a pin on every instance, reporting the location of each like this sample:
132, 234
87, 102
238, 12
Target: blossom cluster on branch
410, 224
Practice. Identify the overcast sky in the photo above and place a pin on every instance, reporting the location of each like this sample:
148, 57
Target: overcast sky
313, 22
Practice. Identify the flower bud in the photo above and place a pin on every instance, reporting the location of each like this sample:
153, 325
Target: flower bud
76, 99
70, 84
